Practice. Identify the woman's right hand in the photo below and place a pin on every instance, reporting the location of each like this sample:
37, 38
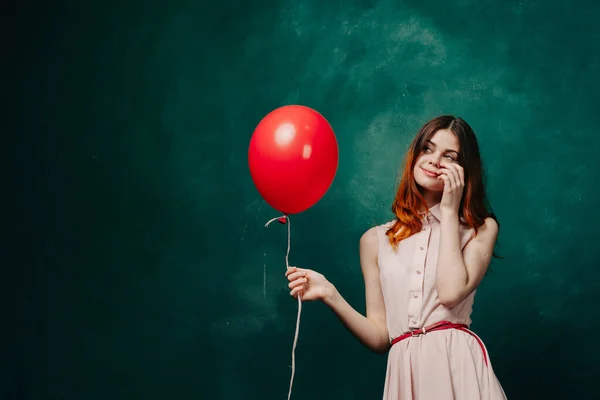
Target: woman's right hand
310, 284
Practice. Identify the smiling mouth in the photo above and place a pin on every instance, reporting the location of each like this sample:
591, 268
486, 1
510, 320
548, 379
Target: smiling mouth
429, 173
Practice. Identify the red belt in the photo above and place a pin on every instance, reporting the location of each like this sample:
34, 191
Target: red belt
438, 326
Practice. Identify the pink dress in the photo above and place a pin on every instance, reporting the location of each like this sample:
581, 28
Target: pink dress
440, 365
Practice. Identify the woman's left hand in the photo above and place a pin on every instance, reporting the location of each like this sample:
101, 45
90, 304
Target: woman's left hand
454, 183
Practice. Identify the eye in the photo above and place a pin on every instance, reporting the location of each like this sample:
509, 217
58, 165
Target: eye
426, 149
448, 156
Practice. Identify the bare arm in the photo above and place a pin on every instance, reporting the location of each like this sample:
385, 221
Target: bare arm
460, 272
371, 330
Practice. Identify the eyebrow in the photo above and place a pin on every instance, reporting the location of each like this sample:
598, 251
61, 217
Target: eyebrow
447, 151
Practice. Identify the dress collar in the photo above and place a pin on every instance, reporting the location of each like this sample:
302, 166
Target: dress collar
434, 212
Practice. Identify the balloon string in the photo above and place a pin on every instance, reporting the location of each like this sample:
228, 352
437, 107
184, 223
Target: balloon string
286, 219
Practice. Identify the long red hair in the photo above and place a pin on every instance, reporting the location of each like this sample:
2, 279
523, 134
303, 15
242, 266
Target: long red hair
474, 207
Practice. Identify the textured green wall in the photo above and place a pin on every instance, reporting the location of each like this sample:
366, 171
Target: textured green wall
139, 262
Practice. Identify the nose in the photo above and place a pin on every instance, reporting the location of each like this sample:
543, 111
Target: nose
435, 160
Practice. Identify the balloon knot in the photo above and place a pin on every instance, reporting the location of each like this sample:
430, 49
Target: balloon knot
282, 220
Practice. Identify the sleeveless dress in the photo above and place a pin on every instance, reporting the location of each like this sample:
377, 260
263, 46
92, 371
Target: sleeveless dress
439, 365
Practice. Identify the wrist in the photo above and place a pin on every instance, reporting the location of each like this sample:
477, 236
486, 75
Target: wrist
330, 294
449, 214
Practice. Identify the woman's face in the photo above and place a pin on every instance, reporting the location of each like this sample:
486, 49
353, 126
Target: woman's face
443, 147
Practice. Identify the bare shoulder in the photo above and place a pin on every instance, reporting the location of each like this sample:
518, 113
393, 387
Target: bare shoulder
369, 240
486, 235
491, 223
489, 229
369, 246
479, 252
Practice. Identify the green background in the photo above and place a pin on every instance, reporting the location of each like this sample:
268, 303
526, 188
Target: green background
137, 265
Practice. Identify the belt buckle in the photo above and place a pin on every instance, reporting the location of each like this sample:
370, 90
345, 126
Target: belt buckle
417, 332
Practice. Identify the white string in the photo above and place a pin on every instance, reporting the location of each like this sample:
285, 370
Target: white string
287, 264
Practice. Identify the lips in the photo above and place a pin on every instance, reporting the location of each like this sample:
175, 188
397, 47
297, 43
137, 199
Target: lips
429, 173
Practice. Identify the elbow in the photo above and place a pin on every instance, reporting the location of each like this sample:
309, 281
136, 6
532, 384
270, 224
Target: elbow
450, 300
451, 296
380, 348
382, 345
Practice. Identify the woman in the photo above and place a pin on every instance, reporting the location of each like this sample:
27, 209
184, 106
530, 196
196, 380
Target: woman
421, 271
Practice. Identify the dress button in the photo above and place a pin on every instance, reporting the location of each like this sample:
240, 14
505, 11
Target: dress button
414, 321
415, 295
418, 272
421, 247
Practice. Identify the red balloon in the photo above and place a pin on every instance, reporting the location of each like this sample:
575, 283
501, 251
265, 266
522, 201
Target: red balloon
293, 158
